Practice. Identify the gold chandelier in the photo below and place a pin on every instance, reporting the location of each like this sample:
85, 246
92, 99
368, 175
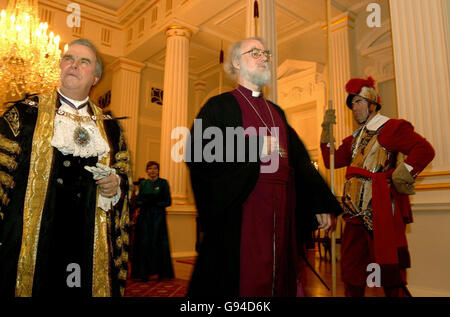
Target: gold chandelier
29, 58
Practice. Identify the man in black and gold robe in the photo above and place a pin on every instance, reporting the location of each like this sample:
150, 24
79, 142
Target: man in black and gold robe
64, 170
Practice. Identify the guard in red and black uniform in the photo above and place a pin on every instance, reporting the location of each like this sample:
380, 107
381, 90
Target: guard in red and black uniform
375, 196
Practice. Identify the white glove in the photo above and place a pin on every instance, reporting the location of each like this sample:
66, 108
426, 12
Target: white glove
99, 172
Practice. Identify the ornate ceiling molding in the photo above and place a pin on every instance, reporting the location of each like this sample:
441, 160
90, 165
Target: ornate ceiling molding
377, 46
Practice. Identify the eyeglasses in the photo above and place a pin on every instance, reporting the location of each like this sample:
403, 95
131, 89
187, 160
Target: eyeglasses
257, 53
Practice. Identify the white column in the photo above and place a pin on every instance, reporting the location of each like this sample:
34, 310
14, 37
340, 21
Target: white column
268, 26
251, 26
421, 53
175, 108
342, 67
199, 94
125, 98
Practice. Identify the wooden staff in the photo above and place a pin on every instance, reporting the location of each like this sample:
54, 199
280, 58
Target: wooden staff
330, 106
221, 67
256, 16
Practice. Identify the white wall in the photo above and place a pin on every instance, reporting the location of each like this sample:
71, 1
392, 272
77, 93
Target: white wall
428, 240
149, 129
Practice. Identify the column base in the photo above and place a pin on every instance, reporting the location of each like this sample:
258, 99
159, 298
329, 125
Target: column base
182, 227
179, 200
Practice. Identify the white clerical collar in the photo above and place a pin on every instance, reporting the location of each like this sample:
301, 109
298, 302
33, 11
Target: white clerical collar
77, 103
376, 122
256, 93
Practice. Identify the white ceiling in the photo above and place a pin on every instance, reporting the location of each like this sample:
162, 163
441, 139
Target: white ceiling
110, 4
222, 22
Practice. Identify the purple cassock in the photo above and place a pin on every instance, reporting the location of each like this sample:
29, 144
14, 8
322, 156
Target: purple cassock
268, 251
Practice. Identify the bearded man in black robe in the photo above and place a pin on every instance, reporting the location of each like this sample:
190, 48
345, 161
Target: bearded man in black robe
256, 214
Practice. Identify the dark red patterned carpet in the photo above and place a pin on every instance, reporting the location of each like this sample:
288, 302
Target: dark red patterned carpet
156, 288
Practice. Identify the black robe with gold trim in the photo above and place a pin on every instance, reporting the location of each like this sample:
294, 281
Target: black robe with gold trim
55, 241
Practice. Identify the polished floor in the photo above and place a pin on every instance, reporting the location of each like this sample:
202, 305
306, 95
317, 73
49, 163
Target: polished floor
313, 287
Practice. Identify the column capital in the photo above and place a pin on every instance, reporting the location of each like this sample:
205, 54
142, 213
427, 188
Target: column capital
179, 27
127, 64
344, 20
178, 30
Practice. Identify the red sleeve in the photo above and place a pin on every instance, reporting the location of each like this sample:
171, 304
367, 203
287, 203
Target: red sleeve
399, 136
342, 156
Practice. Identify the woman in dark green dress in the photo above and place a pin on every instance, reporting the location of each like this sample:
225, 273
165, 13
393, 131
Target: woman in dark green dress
151, 244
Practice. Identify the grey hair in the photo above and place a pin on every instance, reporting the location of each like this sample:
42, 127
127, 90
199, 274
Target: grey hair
234, 53
98, 60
